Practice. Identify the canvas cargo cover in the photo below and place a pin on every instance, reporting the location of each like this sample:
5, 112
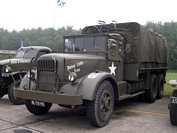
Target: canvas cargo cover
146, 45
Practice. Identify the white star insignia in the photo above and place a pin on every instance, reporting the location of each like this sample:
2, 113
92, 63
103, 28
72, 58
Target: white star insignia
112, 68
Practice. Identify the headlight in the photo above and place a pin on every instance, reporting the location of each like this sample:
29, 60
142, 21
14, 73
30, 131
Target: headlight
31, 74
72, 77
8, 69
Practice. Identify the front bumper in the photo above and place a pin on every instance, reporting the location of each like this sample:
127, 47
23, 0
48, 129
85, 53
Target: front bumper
49, 97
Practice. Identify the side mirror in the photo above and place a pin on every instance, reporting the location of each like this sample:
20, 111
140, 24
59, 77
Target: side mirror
172, 58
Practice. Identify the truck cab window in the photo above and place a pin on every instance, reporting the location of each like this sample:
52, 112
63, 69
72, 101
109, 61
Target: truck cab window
99, 44
79, 44
85, 44
26, 53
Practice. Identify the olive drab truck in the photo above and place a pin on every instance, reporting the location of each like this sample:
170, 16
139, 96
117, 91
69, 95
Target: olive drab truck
13, 69
7, 54
104, 64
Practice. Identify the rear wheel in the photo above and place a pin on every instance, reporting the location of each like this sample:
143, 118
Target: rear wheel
37, 108
151, 93
100, 110
12, 98
160, 90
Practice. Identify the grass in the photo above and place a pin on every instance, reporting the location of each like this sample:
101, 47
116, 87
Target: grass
171, 74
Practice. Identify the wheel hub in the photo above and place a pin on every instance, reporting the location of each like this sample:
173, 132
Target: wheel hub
105, 104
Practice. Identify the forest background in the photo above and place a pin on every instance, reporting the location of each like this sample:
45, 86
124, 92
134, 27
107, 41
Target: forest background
53, 38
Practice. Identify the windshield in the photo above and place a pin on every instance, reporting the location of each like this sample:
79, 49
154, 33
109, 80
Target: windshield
26, 53
85, 44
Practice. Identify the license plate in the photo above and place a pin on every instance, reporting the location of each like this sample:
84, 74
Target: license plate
5, 75
37, 103
174, 100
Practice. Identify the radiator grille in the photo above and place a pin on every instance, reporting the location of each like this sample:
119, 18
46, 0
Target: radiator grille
47, 75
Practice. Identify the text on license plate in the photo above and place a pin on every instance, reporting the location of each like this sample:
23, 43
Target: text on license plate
174, 100
37, 103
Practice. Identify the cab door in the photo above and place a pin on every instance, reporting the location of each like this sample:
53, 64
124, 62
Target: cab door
115, 56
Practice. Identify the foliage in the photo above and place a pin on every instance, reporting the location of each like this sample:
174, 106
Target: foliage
54, 38
170, 75
35, 37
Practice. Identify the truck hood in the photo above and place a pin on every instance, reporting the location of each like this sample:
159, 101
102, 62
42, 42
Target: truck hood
74, 56
81, 64
15, 61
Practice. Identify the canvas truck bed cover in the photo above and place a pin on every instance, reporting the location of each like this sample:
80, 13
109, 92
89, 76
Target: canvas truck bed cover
146, 45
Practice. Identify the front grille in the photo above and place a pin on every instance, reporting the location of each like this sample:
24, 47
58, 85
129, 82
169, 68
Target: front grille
49, 65
47, 76
46, 81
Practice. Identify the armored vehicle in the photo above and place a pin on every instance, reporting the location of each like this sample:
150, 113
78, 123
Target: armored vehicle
10, 69
106, 63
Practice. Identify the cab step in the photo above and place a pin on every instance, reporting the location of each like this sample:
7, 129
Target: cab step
126, 96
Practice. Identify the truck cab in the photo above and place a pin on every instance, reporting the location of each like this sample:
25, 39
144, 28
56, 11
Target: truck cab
13, 69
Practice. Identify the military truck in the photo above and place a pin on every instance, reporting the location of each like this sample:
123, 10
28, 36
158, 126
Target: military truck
106, 63
11, 68
6, 54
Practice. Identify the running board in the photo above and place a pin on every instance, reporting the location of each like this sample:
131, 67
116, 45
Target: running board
126, 96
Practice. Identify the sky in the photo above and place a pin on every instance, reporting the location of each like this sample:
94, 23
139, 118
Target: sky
27, 14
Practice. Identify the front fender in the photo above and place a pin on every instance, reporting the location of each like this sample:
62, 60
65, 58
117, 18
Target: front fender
86, 86
89, 84
17, 74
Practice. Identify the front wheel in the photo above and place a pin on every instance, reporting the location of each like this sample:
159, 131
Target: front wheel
12, 98
100, 110
37, 108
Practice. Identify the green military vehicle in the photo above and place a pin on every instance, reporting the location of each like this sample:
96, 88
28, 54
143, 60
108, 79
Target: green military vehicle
11, 68
106, 63
6, 54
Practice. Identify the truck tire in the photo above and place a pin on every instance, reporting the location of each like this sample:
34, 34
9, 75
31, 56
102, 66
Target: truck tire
91, 29
160, 90
14, 100
151, 93
100, 110
173, 113
37, 110
173, 110
1, 94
